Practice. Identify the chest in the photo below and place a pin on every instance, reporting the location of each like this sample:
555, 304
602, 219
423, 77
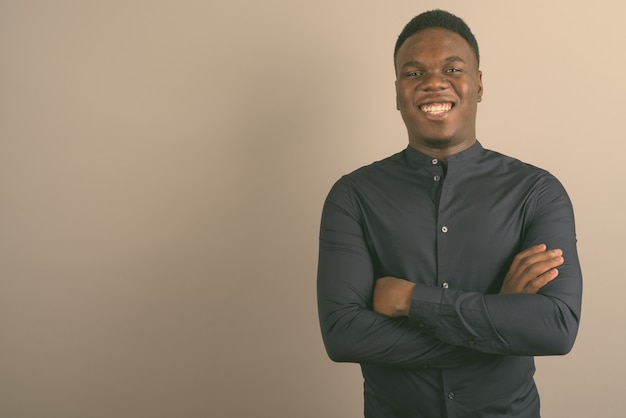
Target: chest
461, 232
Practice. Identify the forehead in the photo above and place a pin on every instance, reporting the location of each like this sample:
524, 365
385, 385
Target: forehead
434, 43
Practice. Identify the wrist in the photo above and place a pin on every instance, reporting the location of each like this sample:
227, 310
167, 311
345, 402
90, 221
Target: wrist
406, 308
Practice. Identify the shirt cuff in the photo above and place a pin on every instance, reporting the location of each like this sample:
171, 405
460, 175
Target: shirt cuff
425, 307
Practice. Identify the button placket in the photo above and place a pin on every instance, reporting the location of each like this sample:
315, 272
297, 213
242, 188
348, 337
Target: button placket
437, 174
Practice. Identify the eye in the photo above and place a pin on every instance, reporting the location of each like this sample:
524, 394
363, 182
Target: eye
453, 70
414, 74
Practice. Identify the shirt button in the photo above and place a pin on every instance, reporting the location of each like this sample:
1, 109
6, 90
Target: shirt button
472, 343
444, 229
435, 161
451, 395
444, 285
436, 178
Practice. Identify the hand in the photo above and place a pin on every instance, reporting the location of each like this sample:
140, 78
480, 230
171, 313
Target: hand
532, 269
392, 296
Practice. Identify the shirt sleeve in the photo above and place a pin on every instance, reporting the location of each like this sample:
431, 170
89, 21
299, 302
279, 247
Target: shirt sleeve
351, 330
545, 323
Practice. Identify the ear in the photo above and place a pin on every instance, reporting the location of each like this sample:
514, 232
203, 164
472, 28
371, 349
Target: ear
480, 86
397, 100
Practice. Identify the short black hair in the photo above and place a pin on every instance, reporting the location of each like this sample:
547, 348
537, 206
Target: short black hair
437, 19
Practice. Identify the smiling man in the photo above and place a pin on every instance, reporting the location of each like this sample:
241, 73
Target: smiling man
438, 87
445, 268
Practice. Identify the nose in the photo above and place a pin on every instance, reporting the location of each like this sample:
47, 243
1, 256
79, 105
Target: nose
433, 82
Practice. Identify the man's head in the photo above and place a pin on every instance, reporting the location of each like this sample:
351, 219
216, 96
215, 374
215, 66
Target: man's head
438, 83
438, 19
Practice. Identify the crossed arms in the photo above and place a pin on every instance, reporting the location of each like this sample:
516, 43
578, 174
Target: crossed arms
392, 321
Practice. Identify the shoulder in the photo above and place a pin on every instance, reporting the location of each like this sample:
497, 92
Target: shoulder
376, 171
377, 167
511, 165
366, 180
542, 182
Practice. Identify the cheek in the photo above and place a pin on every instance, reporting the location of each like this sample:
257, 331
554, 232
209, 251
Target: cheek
405, 97
470, 93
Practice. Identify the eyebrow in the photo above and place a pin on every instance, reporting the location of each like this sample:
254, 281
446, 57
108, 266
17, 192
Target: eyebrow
417, 63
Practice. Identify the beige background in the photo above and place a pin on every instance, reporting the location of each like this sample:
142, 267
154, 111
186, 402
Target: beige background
162, 170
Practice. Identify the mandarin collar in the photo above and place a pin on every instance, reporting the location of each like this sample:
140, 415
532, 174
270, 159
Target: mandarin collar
416, 157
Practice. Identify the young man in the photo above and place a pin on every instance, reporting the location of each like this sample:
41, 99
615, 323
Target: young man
446, 267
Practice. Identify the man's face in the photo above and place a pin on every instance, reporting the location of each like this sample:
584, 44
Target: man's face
438, 87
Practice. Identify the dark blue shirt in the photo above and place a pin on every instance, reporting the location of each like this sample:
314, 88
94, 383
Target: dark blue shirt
464, 350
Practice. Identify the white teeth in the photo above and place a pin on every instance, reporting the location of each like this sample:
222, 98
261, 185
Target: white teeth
436, 107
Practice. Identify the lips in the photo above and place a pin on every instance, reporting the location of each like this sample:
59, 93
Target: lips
436, 108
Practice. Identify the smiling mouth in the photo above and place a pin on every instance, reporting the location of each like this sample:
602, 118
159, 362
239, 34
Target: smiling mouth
436, 108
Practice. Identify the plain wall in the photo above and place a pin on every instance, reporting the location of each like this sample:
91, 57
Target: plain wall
163, 166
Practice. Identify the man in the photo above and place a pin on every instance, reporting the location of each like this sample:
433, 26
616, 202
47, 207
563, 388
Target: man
446, 267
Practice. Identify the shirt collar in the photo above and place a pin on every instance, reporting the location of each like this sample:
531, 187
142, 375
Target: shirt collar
416, 157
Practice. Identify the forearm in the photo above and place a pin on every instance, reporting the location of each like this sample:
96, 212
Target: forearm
353, 332
545, 323
500, 324
359, 335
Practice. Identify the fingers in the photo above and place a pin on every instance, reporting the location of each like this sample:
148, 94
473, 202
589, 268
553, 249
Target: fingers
534, 285
532, 269
539, 264
537, 260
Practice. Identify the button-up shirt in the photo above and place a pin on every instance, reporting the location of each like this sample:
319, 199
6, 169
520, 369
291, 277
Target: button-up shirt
464, 350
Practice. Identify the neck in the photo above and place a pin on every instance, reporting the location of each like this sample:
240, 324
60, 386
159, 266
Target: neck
441, 149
